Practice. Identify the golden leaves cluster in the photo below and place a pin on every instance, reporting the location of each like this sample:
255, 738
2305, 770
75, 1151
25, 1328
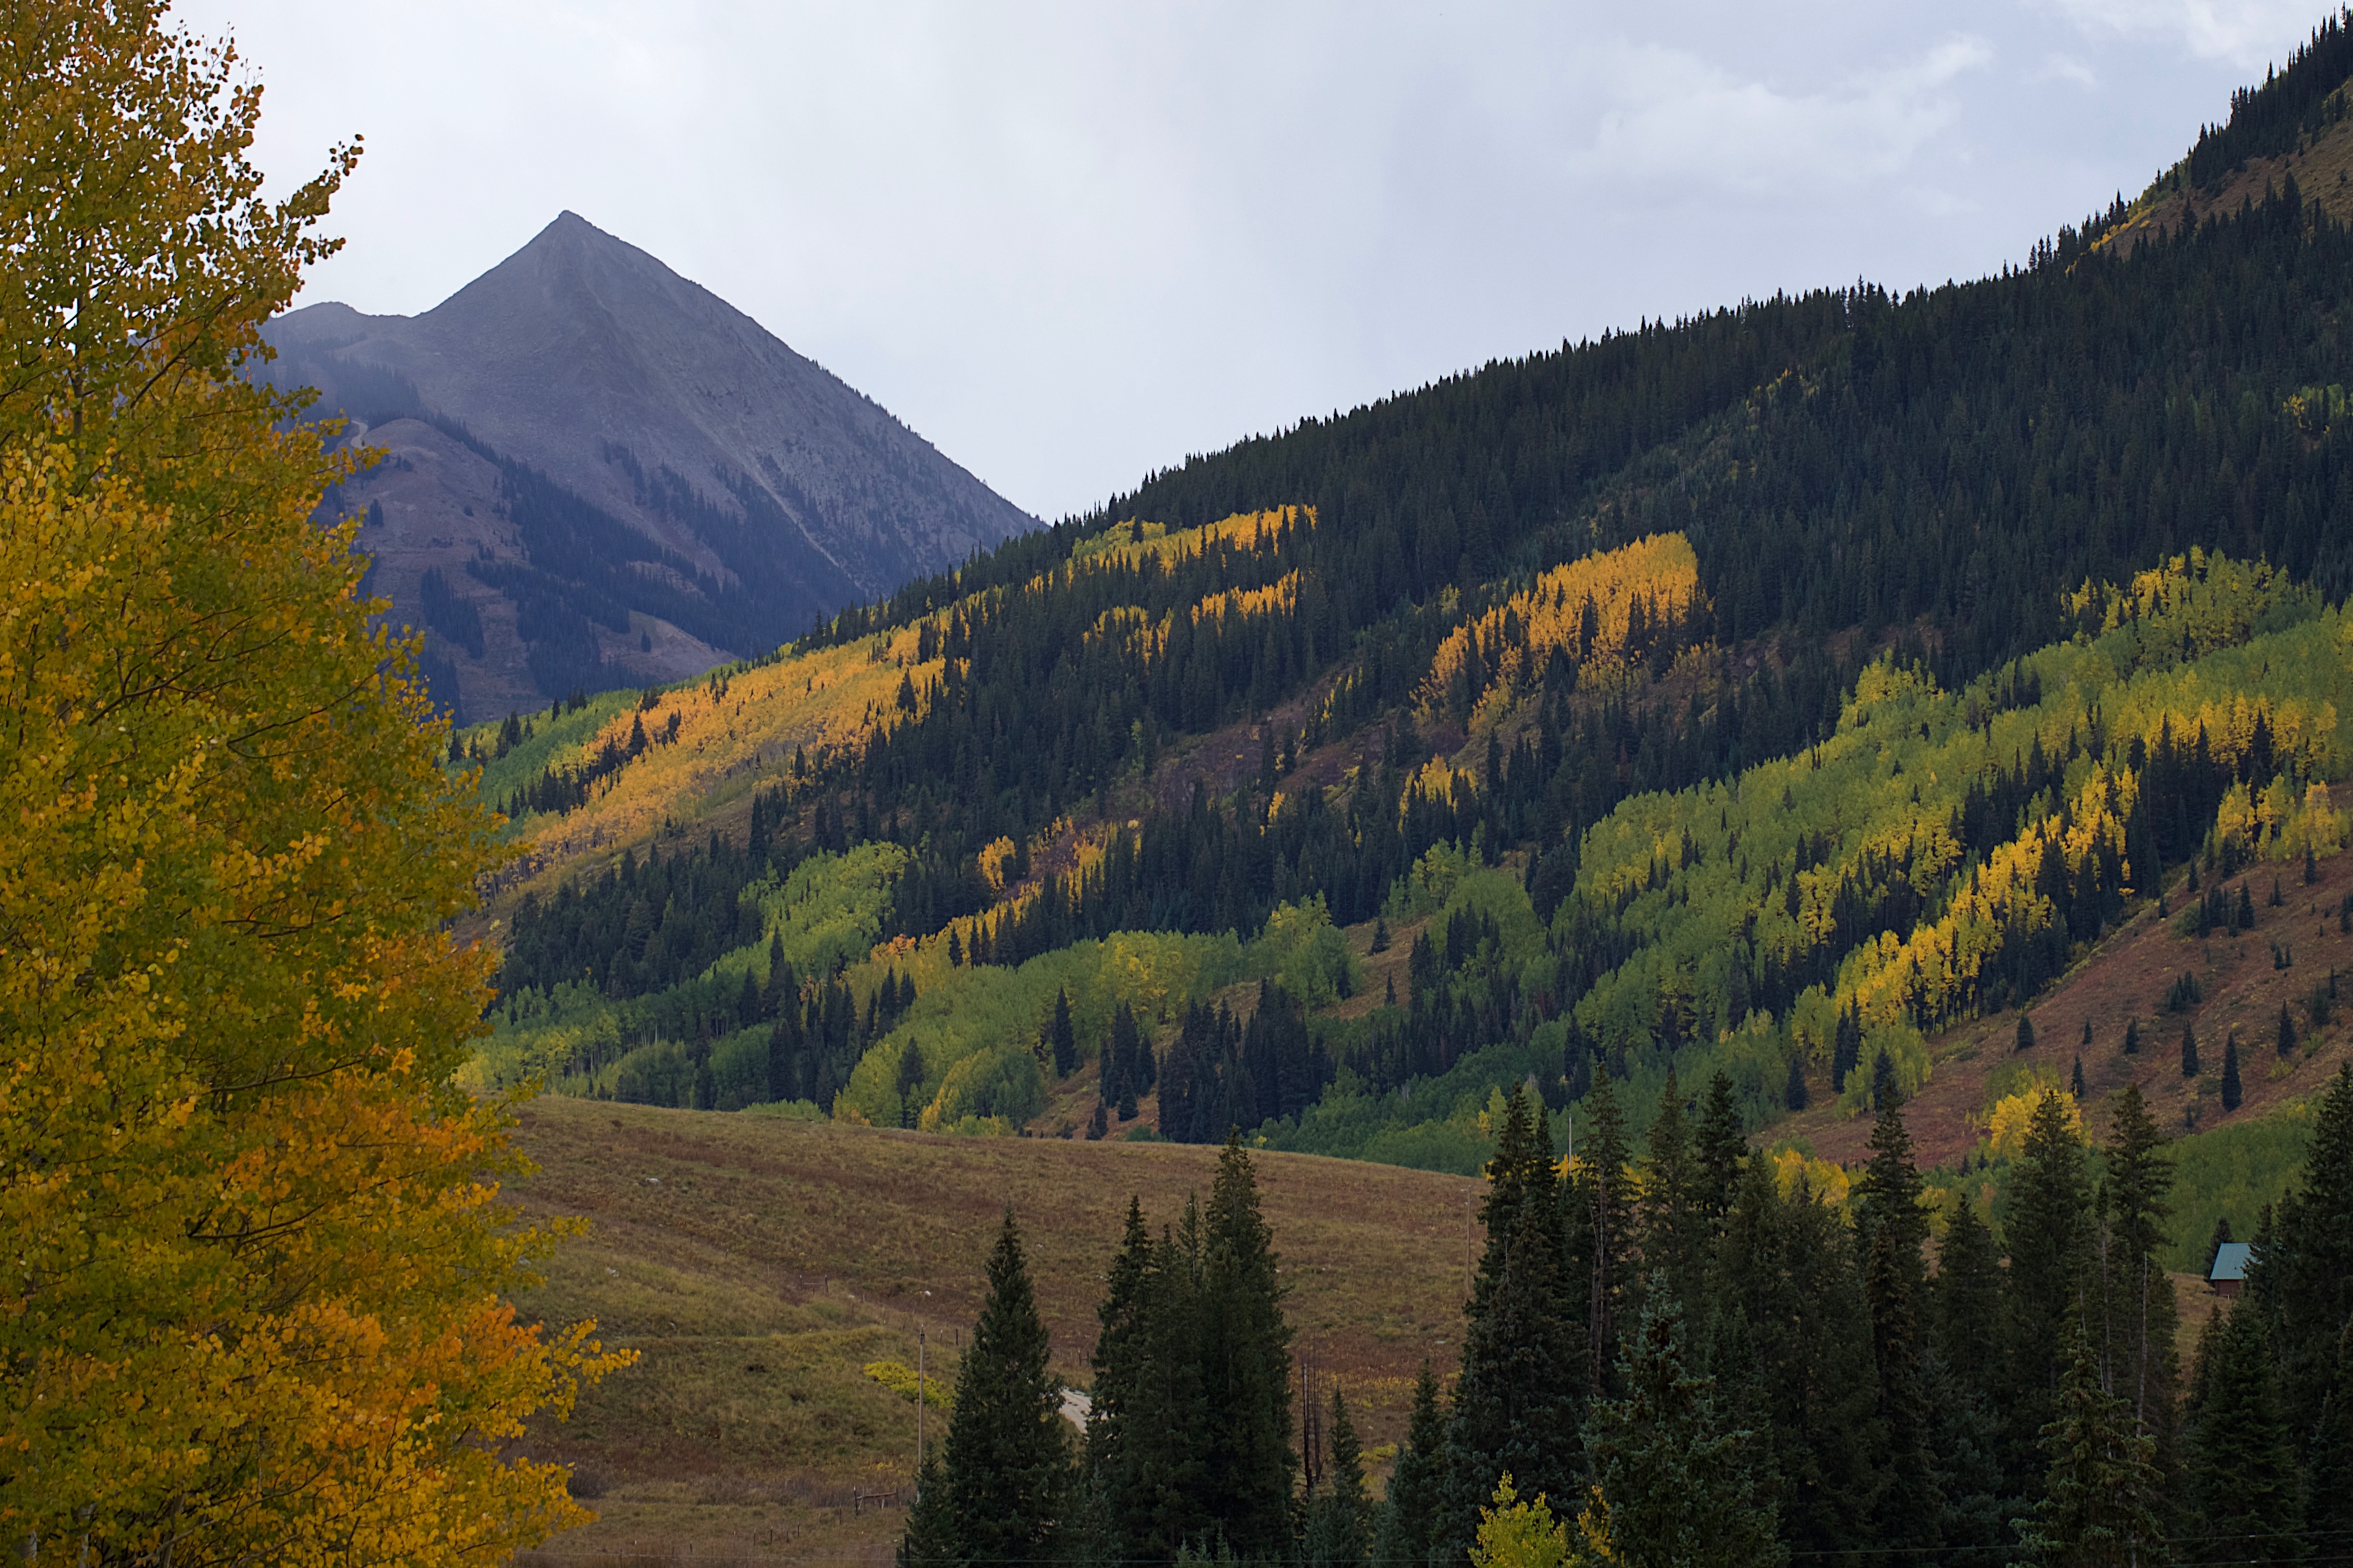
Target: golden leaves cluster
253, 1306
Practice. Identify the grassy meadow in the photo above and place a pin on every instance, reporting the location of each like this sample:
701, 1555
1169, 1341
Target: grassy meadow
758, 1263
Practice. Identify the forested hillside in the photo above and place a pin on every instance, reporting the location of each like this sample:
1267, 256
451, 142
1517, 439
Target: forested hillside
1773, 689
1639, 745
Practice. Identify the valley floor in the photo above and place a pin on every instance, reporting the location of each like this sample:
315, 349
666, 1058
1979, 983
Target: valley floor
758, 1264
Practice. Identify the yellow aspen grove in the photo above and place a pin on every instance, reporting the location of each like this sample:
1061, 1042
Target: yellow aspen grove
253, 1273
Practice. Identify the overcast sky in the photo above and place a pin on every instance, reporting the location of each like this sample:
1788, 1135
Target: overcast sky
1072, 243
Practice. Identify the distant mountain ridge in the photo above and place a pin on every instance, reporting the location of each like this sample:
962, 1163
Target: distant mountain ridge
599, 473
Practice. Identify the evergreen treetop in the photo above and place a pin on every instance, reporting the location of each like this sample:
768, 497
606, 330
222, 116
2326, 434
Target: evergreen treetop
1006, 1463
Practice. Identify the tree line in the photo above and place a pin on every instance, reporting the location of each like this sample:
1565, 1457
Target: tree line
1704, 1364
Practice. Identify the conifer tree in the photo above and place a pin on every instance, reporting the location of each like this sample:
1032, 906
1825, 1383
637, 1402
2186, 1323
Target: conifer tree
1006, 1474
2243, 1483
1787, 1272
1339, 1515
1893, 1229
1410, 1512
1974, 1522
931, 1539
1673, 1229
1123, 1068
2099, 1491
1605, 1226
1127, 1458
2025, 1041
2303, 1278
1722, 1146
2286, 1037
1678, 1479
2231, 1091
1246, 1367
1515, 1407
1793, 1090
2050, 1249
2188, 1051
2137, 1308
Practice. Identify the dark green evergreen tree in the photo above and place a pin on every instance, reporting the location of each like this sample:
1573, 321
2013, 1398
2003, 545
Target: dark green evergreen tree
2099, 1499
1124, 1072
1516, 1406
2244, 1489
2025, 1041
2188, 1051
1964, 1364
1339, 1515
2287, 1038
1126, 1433
2050, 1229
1008, 1468
2303, 1280
1787, 1269
1406, 1532
1246, 1367
2137, 1312
932, 1539
1968, 1304
1680, 1481
2231, 1092
1676, 1233
1722, 1144
1893, 1229
1603, 1233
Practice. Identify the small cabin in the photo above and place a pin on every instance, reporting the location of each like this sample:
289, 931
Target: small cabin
2229, 1271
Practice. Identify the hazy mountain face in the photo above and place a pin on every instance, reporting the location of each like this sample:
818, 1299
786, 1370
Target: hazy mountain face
597, 474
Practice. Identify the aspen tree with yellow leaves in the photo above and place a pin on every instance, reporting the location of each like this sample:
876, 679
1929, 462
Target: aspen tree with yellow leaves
253, 1306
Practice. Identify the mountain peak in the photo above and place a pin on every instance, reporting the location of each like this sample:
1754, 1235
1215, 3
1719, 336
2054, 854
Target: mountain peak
722, 465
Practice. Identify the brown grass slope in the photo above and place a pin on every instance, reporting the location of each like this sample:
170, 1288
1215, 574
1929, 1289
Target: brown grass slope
757, 1264
2322, 165
2126, 977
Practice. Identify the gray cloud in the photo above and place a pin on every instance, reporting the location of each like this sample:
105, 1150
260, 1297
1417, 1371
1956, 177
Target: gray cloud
1070, 243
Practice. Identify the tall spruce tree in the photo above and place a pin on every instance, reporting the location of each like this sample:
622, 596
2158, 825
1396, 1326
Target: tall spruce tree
931, 1539
1246, 1367
1974, 1523
2245, 1488
1516, 1406
2050, 1230
1406, 1529
1339, 1516
2139, 1363
1891, 1231
2098, 1498
1720, 1146
1008, 1468
2303, 1280
1126, 1450
1673, 1228
1786, 1270
1678, 1478
1603, 1232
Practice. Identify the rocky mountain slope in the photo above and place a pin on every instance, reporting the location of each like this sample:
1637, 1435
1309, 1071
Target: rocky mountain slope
598, 473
